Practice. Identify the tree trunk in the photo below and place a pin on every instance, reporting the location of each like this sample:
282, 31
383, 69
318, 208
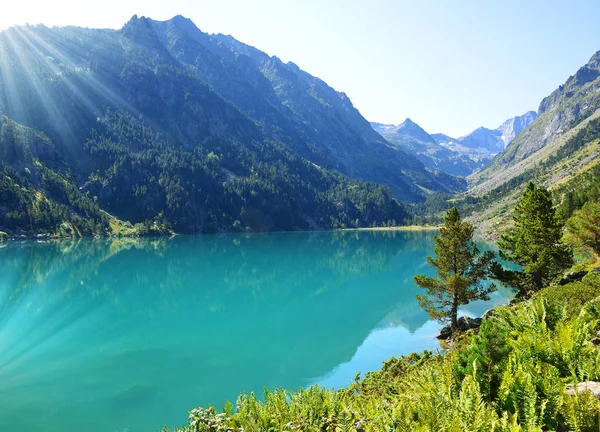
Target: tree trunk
454, 313
537, 278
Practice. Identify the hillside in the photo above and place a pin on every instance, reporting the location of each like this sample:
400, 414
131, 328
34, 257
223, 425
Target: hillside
569, 106
161, 120
560, 150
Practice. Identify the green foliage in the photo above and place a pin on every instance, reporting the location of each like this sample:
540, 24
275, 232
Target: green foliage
572, 296
484, 357
580, 190
460, 270
534, 243
583, 228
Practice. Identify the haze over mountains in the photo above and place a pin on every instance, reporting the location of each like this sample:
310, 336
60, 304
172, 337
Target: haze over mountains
458, 156
205, 133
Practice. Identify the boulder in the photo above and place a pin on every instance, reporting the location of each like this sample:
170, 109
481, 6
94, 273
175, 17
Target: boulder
445, 333
464, 323
591, 386
572, 277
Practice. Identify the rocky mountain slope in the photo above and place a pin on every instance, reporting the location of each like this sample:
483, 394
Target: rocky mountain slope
560, 149
494, 141
159, 120
570, 106
513, 127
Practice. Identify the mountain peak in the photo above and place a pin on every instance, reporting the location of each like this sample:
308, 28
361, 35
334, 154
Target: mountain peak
184, 24
413, 130
179, 18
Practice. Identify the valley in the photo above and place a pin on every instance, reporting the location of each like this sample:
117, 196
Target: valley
199, 236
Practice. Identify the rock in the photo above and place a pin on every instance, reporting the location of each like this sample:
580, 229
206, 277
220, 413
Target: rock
572, 277
591, 386
596, 270
445, 332
465, 323
488, 313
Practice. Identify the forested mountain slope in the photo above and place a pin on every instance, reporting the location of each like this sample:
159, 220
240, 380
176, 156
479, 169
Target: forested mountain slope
161, 122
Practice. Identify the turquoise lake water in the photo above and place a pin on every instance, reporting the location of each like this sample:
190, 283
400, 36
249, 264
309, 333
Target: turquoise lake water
129, 335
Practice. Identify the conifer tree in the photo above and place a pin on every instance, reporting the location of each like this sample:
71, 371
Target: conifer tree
583, 228
460, 271
534, 243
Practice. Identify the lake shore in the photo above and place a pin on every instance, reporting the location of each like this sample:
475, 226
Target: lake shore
46, 237
396, 228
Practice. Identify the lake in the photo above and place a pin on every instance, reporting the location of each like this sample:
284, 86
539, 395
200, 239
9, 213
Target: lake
130, 334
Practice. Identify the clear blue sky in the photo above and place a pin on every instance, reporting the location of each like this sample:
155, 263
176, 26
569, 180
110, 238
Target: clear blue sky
451, 66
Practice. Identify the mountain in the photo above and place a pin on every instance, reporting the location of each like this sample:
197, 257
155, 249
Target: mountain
484, 140
412, 138
494, 141
159, 124
559, 149
513, 127
561, 116
410, 129
442, 138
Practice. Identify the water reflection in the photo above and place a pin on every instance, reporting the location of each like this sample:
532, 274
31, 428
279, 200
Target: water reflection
104, 335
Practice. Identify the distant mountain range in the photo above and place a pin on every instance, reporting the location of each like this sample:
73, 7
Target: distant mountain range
458, 156
159, 123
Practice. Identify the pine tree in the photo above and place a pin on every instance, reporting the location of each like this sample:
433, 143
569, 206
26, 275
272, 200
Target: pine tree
535, 243
583, 228
460, 270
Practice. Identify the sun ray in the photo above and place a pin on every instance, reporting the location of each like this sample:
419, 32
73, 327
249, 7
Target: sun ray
35, 72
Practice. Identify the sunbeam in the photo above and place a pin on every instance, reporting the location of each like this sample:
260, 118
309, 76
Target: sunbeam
37, 72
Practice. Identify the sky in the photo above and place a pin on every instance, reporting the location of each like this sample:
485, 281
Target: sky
449, 65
